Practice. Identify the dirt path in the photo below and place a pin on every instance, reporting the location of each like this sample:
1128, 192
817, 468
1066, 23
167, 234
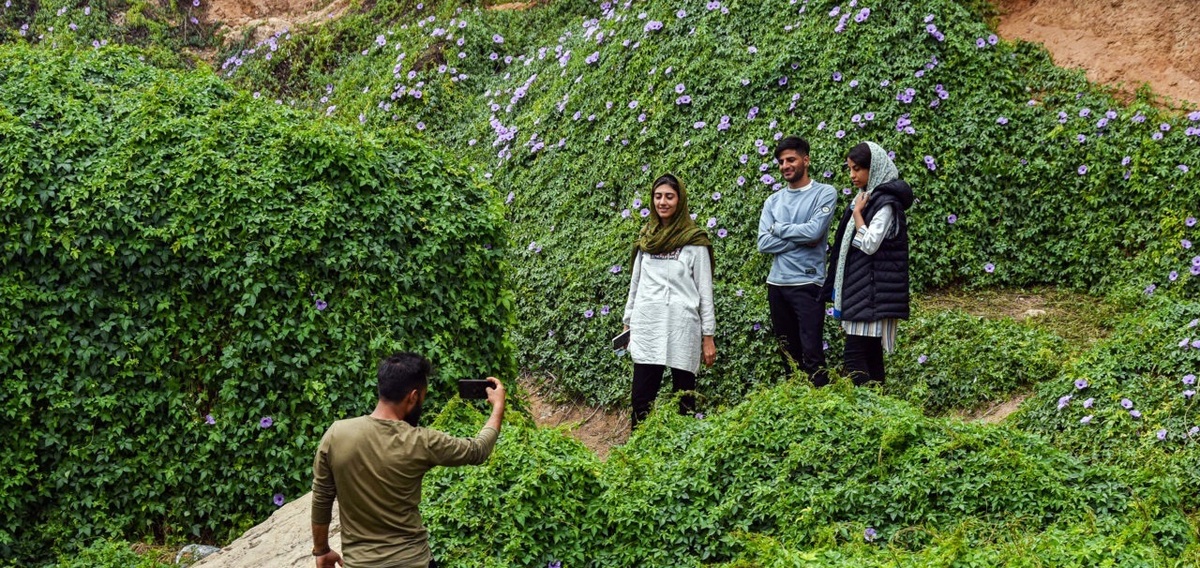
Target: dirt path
1122, 43
597, 427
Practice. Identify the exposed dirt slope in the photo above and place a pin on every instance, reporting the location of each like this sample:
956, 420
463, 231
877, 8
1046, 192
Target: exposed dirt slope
1122, 43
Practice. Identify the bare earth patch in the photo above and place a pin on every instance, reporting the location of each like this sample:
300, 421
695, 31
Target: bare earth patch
597, 427
1121, 43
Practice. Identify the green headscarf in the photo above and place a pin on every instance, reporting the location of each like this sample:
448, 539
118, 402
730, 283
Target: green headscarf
680, 230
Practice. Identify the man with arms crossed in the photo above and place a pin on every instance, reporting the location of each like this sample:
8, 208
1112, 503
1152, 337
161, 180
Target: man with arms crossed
374, 465
793, 228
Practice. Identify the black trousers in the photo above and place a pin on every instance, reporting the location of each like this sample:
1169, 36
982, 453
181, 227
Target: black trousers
797, 317
863, 359
647, 380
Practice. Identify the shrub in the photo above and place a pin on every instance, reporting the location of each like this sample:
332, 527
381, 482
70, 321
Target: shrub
196, 283
951, 360
1130, 401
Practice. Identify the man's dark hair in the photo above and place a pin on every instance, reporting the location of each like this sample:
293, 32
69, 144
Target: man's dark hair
860, 154
401, 374
796, 143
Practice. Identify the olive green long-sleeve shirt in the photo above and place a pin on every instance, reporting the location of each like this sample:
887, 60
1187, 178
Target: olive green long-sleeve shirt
374, 469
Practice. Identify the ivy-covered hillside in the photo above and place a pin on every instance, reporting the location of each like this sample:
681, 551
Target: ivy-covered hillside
468, 181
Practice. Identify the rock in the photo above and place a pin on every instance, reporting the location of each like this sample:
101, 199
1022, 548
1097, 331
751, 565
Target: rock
193, 552
284, 540
1033, 313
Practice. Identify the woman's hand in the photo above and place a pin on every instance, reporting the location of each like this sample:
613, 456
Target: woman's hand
708, 351
860, 201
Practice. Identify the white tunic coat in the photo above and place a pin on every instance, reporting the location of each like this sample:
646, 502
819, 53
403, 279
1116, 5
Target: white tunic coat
670, 307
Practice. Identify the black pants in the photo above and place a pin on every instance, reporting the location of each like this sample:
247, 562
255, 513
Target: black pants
647, 379
863, 359
798, 316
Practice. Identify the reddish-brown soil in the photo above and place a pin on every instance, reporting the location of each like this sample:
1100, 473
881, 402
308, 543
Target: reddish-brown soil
1121, 43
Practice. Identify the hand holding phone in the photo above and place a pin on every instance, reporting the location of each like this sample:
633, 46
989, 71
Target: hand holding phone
474, 389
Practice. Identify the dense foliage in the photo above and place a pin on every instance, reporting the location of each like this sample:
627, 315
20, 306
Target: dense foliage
755, 486
951, 360
196, 283
175, 249
1024, 173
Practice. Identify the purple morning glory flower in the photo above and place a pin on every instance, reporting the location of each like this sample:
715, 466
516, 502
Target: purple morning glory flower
1189, 379
1185, 244
588, 313
869, 534
1164, 127
1162, 434
1064, 401
554, 564
1086, 419
1188, 393
837, 76
1135, 413
756, 327
278, 499
497, 38
1081, 384
1173, 275
722, 233
208, 419
1150, 289
266, 422
712, 222
1190, 221
766, 179
840, 134
1089, 402
1126, 403
683, 100
1082, 169
1002, 121
951, 219
604, 310
321, 305
992, 39
645, 212
922, 359
680, 88
1195, 270
1085, 112
989, 268
979, 42
930, 163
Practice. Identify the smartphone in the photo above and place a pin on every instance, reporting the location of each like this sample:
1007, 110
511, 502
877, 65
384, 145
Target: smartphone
621, 341
474, 389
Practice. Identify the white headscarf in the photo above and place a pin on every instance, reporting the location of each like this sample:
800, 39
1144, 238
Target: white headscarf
882, 170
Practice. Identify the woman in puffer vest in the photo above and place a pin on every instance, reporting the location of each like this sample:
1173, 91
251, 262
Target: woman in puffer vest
867, 280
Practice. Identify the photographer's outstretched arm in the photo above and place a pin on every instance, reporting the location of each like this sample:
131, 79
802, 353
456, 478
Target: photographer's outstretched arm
496, 398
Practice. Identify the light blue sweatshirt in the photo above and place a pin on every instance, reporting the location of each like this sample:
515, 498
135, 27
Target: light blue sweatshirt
792, 221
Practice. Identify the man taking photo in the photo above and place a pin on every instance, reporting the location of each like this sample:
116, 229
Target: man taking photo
373, 465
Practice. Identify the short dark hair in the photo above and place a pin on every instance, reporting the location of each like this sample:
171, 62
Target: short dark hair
401, 374
860, 154
796, 143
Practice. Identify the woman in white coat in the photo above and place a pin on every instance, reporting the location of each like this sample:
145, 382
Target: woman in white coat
669, 313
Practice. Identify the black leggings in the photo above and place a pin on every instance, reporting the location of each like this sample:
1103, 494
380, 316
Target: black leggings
863, 359
647, 379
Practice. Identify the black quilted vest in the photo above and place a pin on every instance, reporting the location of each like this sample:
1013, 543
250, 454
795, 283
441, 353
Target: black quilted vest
875, 286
